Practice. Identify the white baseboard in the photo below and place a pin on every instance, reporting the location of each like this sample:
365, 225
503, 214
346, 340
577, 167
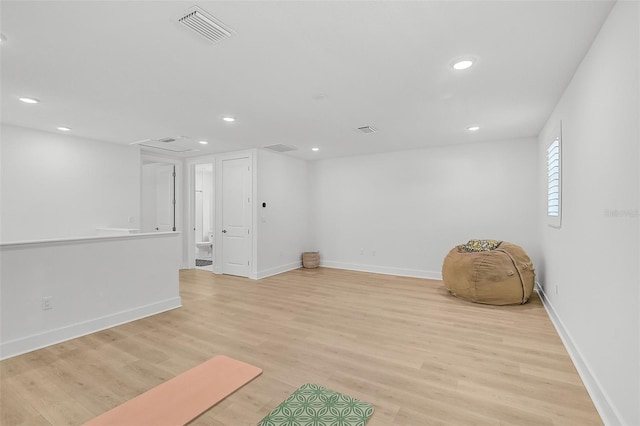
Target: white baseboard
387, 270
610, 416
37, 341
278, 270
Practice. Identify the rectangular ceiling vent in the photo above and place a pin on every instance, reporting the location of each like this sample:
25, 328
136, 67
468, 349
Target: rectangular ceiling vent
204, 24
281, 148
367, 129
178, 144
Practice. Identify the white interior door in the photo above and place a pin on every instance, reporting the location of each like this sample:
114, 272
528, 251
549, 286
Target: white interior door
164, 198
236, 216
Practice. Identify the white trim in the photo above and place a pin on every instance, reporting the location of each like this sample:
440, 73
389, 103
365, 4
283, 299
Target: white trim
91, 239
51, 337
279, 270
609, 414
254, 215
387, 270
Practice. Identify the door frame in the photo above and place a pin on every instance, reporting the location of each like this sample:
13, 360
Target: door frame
251, 155
178, 164
191, 208
179, 190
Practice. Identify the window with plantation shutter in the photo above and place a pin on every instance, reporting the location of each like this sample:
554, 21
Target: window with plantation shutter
554, 180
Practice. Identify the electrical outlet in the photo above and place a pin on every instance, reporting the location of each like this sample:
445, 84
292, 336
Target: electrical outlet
47, 303
373, 252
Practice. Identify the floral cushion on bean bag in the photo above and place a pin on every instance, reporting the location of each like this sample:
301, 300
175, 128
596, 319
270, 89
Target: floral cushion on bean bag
480, 245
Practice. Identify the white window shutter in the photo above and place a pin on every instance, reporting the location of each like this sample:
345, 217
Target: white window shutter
554, 180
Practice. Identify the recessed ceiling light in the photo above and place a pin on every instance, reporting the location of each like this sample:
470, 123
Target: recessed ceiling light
315, 149
473, 128
203, 142
229, 119
462, 64
64, 129
29, 100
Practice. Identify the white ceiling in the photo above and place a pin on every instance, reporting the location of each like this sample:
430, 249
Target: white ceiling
122, 71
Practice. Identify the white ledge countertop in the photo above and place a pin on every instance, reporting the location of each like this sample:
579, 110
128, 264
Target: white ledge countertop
87, 239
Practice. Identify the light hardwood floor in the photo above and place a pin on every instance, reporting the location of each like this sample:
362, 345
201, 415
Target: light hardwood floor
420, 356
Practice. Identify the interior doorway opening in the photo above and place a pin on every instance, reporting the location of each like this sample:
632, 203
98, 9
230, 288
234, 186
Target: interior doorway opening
204, 217
158, 197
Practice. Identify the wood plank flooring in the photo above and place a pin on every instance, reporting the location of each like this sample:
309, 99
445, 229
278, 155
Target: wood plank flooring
420, 356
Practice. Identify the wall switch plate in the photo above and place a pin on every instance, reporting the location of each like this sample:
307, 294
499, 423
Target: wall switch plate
47, 303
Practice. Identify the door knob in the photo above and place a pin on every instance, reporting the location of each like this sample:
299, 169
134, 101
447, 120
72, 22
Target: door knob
224, 231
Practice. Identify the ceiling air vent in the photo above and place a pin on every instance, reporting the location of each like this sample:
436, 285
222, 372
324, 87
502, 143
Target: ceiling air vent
281, 148
178, 144
204, 24
367, 129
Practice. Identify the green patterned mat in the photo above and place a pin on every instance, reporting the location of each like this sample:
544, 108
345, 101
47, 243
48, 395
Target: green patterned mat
313, 405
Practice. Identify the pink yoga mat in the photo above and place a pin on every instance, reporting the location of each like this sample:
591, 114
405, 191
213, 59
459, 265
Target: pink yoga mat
183, 398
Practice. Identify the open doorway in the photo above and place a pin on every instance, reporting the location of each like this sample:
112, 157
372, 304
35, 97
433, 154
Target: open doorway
158, 197
203, 217
220, 215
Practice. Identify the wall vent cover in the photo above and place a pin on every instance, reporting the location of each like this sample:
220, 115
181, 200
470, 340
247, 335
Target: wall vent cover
367, 129
281, 148
205, 24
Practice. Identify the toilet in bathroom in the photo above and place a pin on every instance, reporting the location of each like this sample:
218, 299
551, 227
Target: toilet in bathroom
205, 248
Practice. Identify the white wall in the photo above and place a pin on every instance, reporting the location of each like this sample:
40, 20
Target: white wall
94, 282
283, 225
61, 186
148, 207
594, 257
401, 212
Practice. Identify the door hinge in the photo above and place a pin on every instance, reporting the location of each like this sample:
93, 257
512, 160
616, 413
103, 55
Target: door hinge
248, 263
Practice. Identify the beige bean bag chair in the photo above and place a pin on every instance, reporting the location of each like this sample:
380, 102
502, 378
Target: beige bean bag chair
489, 271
